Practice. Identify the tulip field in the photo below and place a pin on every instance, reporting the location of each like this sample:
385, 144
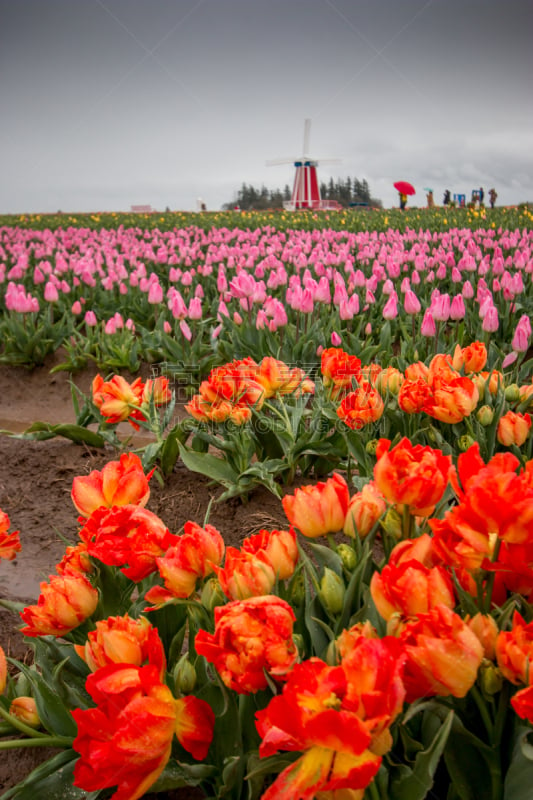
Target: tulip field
373, 371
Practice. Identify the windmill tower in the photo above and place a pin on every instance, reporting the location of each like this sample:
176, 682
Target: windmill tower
306, 189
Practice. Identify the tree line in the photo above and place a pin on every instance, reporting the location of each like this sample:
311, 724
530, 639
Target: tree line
347, 191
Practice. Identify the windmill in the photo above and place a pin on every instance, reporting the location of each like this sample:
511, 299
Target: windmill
306, 190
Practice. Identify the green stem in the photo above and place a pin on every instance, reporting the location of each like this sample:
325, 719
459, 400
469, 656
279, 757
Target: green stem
44, 741
490, 579
483, 710
282, 414
407, 523
373, 790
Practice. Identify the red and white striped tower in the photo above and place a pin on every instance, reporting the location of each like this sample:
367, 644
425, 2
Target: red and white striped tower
306, 189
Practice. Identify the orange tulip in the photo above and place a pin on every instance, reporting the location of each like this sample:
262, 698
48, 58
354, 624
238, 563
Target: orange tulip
9, 542
443, 655
192, 557
25, 710
252, 637
3, 670
514, 652
413, 476
390, 380
276, 377
64, 603
317, 716
119, 483
129, 537
76, 559
452, 400
410, 589
245, 575
127, 740
117, 399
123, 640
418, 371
473, 357
280, 548
413, 395
319, 509
156, 391
486, 630
513, 428
339, 369
522, 702
365, 509
361, 407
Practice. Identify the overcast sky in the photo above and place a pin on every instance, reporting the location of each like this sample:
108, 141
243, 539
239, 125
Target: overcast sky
109, 103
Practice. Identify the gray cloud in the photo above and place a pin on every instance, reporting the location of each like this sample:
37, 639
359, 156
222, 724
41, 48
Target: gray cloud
109, 103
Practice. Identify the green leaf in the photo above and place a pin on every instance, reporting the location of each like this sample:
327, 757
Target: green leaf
414, 783
55, 717
76, 433
209, 465
519, 778
177, 775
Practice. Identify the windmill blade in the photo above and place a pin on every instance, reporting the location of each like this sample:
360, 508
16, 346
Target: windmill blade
328, 160
307, 136
273, 162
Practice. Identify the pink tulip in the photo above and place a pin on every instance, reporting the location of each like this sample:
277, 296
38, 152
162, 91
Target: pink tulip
155, 294
490, 320
167, 327
261, 320
390, 309
440, 308
522, 335
76, 307
457, 309
335, 339
222, 283
185, 330
50, 293
242, 285
428, 325
90, 319
195, 308
110, 326
509, 359
411, 302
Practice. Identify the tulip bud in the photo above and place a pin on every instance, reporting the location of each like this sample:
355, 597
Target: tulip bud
392, 523
485, 415
465, 442
371, 446
25, 710
184, 676
298, 640
297, 590
23, 684
332, 591
512, 393
491, 678
212, 595
395, 624
348, 557
332, 654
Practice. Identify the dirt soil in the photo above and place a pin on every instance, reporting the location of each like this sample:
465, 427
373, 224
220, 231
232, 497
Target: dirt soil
35, 484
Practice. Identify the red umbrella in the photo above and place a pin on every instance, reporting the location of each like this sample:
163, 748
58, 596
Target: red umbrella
404, 187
